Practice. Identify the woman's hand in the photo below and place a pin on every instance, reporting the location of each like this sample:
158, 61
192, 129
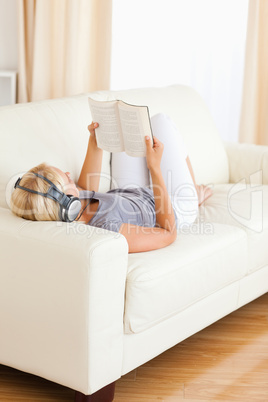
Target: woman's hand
153, 153
92, 139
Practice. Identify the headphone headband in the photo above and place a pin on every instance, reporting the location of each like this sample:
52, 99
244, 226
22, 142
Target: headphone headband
69, 205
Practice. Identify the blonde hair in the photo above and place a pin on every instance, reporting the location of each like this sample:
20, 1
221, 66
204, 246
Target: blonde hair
33, 206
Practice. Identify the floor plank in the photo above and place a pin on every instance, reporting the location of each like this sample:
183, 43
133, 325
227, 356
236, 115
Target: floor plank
228, 361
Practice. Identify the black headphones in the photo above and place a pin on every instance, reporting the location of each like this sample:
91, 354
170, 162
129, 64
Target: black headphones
70, 206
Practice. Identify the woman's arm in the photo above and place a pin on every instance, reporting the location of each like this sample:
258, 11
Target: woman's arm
143, 238
89, 178
165, 217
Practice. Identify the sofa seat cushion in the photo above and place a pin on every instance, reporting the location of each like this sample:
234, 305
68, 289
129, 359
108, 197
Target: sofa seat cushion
244, 206
163, 282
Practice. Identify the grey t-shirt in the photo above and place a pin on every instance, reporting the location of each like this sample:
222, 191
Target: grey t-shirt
133, 205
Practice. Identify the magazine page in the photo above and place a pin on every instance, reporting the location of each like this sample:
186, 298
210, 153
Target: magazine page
135, 124
108, 134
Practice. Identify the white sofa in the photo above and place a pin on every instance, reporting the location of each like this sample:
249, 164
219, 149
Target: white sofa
75, 308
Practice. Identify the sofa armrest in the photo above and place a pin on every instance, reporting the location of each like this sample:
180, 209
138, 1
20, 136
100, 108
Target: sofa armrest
247, 161
62, 292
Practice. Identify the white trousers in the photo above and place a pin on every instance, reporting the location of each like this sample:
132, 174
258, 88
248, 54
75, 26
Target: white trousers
130, 172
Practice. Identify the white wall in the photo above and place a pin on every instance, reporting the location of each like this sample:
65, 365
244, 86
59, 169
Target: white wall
200, 43
8, 44
160, 42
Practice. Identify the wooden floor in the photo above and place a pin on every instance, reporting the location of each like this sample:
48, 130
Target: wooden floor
227, 361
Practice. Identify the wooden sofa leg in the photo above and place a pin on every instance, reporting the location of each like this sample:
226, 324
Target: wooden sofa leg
105, 394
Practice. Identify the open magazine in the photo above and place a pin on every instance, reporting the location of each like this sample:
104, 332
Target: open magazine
122, 127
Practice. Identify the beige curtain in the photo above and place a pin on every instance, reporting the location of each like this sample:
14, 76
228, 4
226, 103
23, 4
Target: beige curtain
254, 112
64, 47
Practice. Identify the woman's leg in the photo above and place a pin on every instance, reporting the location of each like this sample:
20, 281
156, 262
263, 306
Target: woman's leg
175, 170
128, 171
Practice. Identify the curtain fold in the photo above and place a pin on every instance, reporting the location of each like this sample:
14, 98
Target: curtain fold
254, 114
64, 47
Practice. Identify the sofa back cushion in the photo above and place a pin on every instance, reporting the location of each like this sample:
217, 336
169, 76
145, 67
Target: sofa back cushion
55, 131
192, 117
52, 131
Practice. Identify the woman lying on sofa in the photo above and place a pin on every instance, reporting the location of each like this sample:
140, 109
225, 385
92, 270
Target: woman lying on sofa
147, 214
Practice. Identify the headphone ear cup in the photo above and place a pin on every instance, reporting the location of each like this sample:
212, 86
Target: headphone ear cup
62, 213
70, 213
